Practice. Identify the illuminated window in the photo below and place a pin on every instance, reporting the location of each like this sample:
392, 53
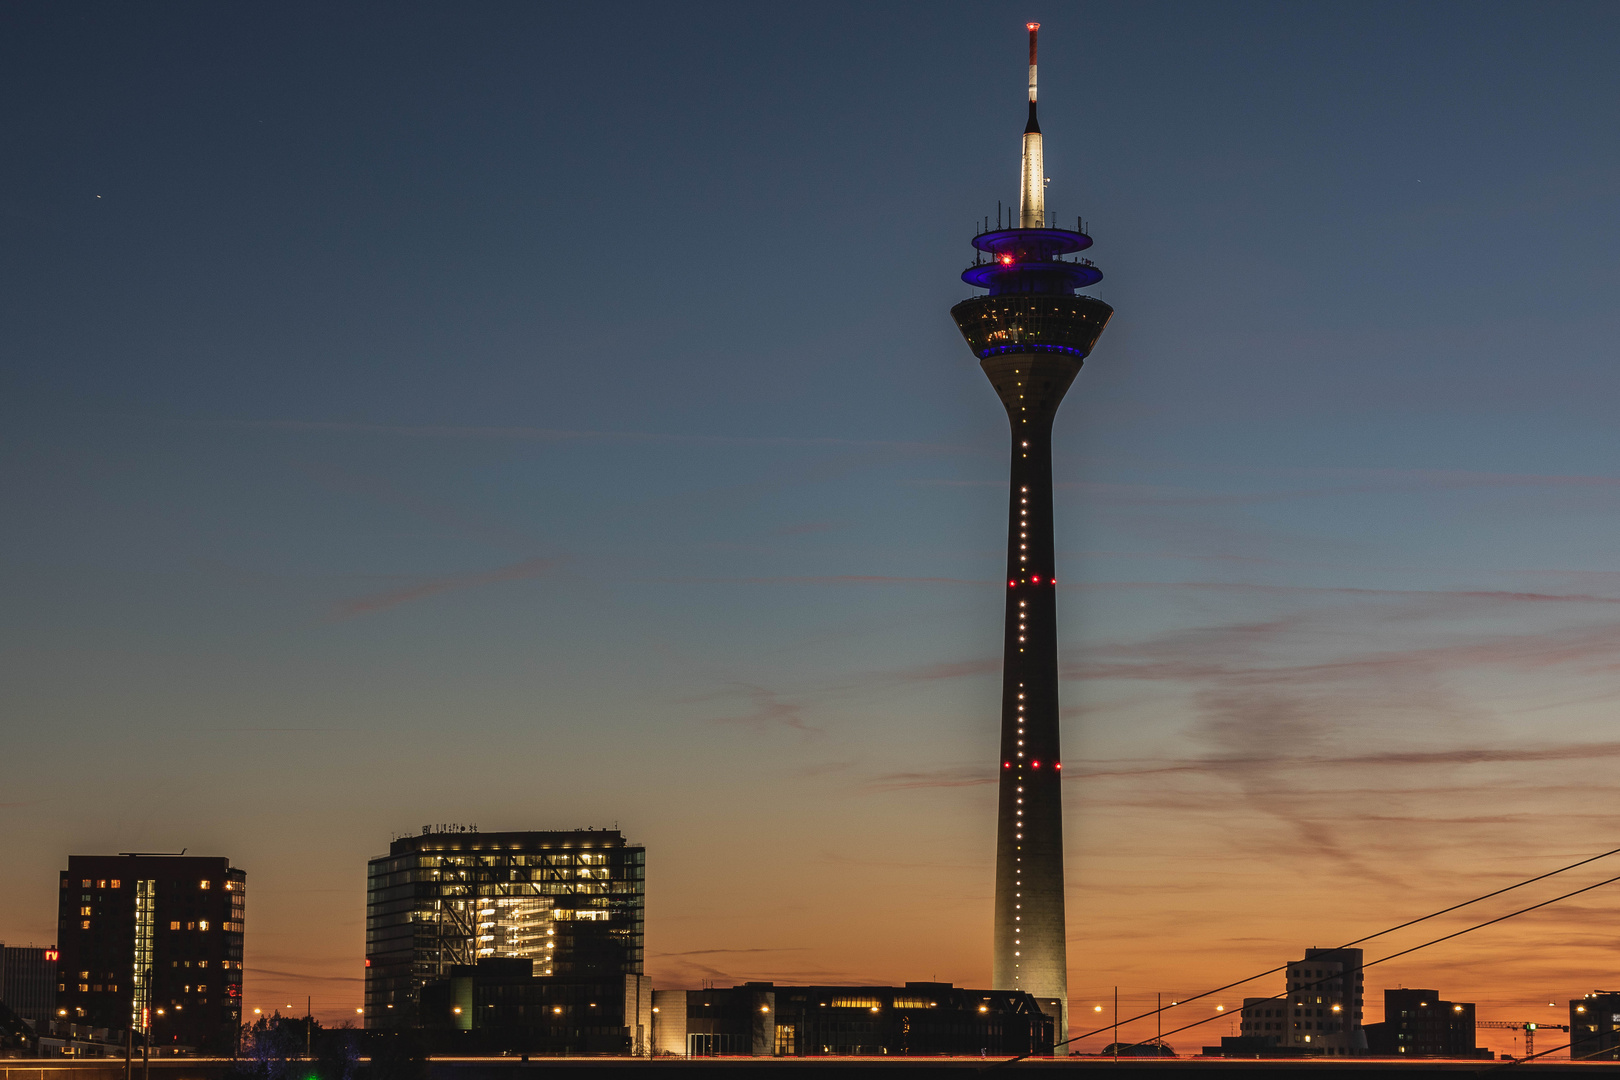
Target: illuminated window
174, 926
117, 884
191, 926
203, 925
85, 925
84, 974
85, 911
84, 988
85, 884
102, 884
205, 885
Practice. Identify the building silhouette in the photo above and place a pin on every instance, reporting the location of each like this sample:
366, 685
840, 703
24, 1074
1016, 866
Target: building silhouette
1325, 1002
502, 1006
920, 1019
28, 983
1030, 332
572, 903
1594, 1026
1265, 1024
1418, 1023
153, 942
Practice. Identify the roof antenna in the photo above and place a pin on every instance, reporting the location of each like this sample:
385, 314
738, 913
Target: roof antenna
1032, 193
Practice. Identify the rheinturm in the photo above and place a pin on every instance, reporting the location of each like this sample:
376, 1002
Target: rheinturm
1031, 332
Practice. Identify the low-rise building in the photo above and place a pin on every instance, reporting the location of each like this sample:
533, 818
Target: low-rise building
918, 1019
1264, 1024
500, 1006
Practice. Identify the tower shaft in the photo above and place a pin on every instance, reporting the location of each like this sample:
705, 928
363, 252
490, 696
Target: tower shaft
1030, 946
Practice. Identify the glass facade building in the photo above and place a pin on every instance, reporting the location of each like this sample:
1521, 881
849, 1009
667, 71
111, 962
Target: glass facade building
573, 903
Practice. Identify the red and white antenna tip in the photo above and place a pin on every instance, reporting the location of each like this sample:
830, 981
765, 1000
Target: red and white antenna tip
1032, 26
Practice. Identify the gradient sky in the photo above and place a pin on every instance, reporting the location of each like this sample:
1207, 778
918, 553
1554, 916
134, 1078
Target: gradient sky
544, 416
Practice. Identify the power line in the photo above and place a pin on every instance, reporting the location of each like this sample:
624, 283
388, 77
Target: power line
1358, 941
1403, 952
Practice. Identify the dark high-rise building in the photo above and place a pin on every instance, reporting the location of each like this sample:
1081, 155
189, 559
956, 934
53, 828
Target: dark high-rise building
1417, 1023
1594, 1026
1031, 333
571, 902
153, 941
28, 983
1324, 1002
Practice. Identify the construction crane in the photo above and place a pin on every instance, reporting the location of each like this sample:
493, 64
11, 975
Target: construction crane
1529, 1030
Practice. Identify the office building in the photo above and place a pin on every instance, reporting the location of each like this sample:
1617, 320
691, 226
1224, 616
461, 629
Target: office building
28, 983
153, 941
917, 1020
1417, 1023
1323, 1006
502, 1006
1030, 333
1594, 1026
572, 903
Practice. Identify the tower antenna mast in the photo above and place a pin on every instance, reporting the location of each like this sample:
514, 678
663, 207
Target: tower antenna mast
1032, 184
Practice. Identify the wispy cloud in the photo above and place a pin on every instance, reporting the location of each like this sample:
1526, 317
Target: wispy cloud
1102, 770
304, 976
732, 952
1495, 596
558, 435
833, 579
376, 489
769, 710
950, 777
808, 527
375, 602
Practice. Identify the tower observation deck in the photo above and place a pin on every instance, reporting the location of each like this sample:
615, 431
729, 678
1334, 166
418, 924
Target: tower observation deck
1031, 334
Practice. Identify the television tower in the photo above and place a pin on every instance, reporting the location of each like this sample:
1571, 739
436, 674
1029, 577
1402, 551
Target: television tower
1031, 333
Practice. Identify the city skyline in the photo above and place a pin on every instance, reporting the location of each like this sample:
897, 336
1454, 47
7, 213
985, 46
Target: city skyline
353, 486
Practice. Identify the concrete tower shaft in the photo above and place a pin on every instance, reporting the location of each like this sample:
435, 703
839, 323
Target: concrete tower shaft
1031, 333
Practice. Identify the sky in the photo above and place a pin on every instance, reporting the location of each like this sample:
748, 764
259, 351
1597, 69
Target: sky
547, 416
